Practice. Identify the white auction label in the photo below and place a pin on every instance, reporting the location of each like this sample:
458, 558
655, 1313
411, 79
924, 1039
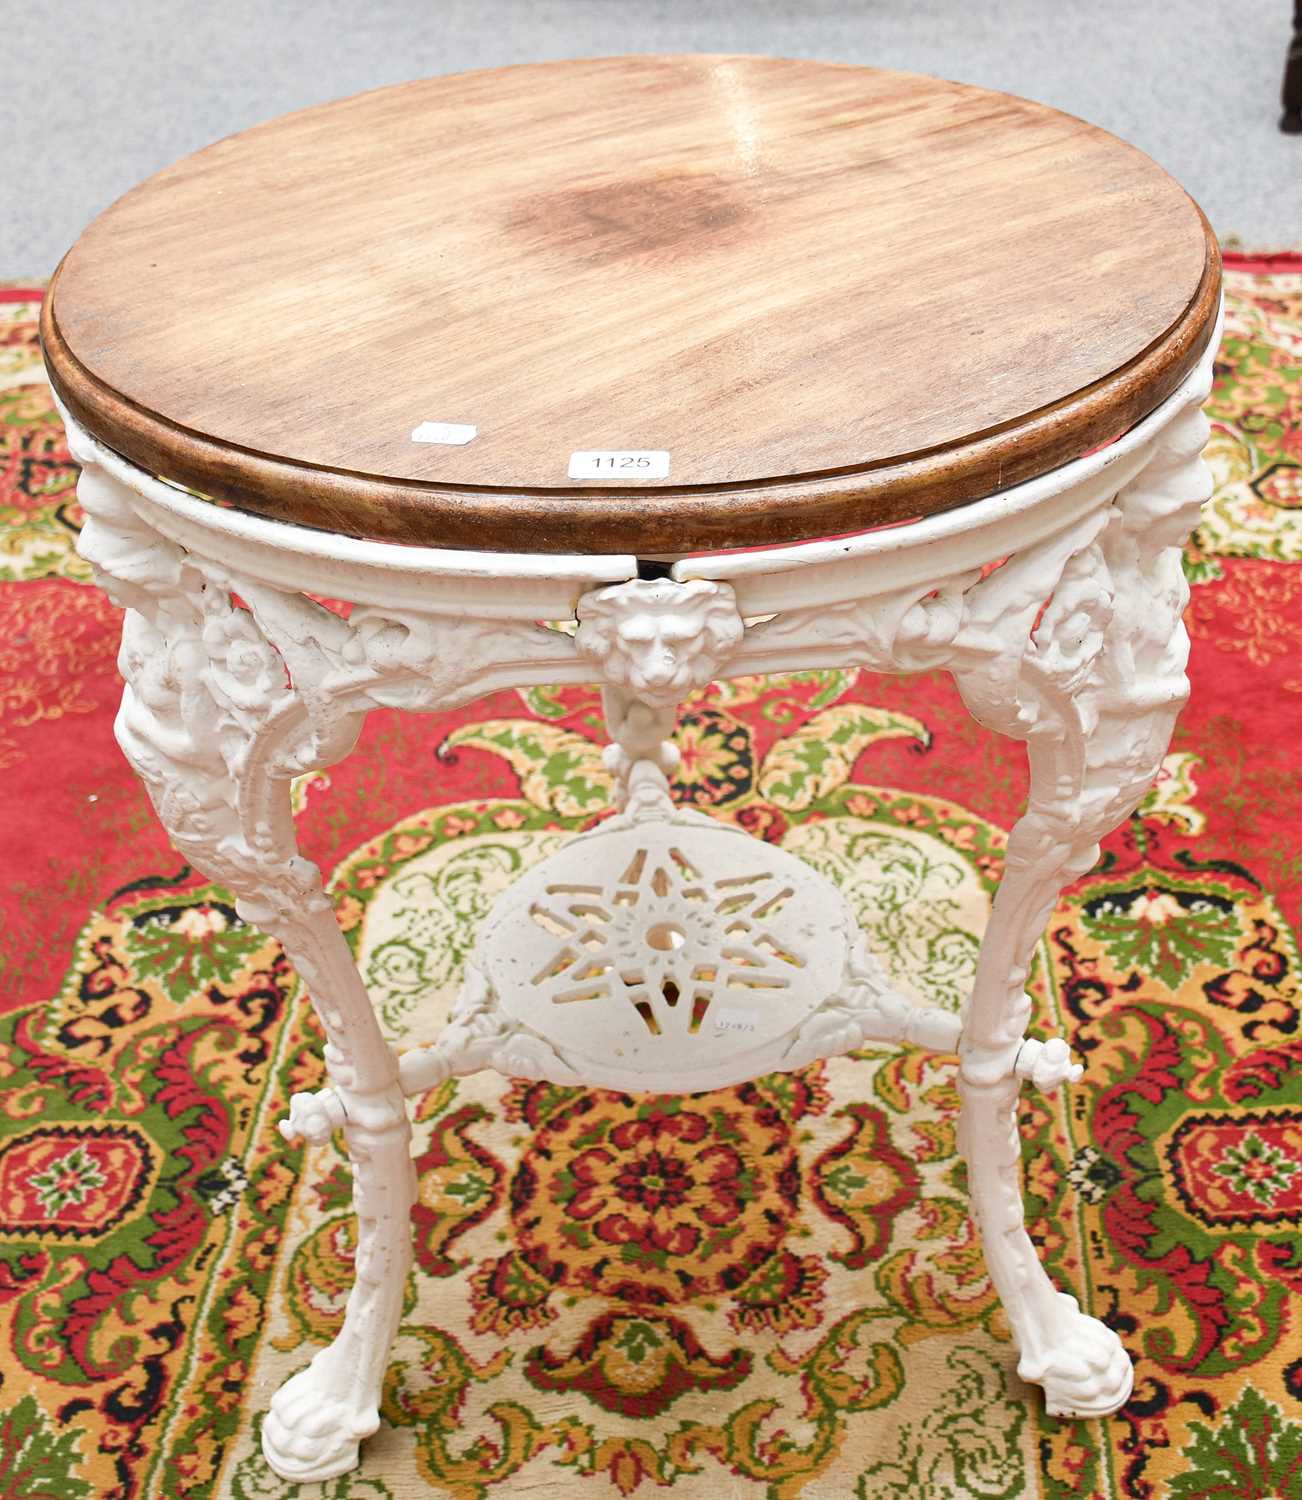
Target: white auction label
620, 463
454, 433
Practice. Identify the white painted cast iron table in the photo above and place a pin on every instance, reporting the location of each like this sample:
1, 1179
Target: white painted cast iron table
783, 302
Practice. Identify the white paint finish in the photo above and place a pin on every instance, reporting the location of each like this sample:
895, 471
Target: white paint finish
313, 1117
1047, 1064
776, 578
624, 949
619, 465
494, 585
454, 434
658, 639
224, 706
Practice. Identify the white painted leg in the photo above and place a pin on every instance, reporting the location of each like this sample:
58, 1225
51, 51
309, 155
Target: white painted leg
1096, 696
232, 688
1078, 1360
214, 727
318, 1418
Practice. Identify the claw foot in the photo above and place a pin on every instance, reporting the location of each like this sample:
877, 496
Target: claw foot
1087, 1373
312, 1432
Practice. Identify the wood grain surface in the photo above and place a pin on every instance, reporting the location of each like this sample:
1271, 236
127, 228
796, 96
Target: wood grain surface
836, 296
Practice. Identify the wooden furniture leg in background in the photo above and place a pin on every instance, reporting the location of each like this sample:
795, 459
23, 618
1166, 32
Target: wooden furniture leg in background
1290, 122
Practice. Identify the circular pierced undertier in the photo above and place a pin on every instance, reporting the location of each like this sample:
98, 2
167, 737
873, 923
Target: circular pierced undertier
671, 955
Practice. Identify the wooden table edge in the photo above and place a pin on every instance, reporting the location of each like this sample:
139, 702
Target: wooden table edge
647, 519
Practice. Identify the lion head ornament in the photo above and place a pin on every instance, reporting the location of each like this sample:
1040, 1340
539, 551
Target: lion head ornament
657, 638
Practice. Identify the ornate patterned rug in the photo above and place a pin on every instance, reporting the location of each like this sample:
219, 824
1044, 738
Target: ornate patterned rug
765, 1293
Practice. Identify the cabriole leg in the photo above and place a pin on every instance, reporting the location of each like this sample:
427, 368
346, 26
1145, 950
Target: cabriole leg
232, 689
214, 728
1097, 696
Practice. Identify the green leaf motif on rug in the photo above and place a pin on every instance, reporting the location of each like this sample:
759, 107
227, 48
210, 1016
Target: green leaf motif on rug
820, 755
559, 770
38, 525
1171, 797
1163, 930
638, 1340
468, 1190
335, 1190
188, 948
36, 1463
917, 897
1253, 1453
68, 1181
964, 1448
430, 912
778, 695
1253, 457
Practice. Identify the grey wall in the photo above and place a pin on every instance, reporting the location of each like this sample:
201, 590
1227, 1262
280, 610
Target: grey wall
99, 93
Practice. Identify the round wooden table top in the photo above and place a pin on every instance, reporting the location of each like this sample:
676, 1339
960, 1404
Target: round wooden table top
762, 300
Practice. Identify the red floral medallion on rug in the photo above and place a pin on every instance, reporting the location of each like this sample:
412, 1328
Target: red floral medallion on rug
769, 1291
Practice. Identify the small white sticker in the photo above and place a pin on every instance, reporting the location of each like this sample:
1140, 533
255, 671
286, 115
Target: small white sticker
455, 433
620, 463
731, 1019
